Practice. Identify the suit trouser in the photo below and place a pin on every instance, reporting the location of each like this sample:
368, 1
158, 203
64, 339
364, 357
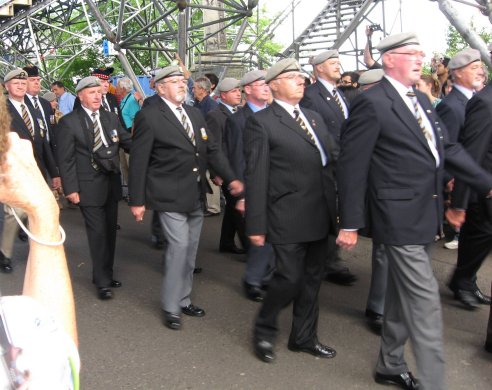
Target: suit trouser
182, 231
489, 325
259, 262
10, 229
475, 243
156, 227
297, 277
412, 310
379, 279
100, 225
232, 223
213, 199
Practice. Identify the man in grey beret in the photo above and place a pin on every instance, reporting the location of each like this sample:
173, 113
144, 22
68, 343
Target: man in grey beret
82, 133
29, 125
290, 203
259, 259
389, 174
171, 151
324, 97
229, 91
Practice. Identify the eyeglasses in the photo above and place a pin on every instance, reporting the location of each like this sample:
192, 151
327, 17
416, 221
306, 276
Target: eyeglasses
345, 82
291, 76
411, 54
175, 82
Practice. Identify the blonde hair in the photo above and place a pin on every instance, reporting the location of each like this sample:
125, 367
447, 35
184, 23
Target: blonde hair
4, 124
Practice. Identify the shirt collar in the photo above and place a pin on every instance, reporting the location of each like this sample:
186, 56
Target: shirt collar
465, 91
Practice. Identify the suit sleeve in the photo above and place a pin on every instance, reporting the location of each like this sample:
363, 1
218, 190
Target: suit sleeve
358, 139
234, 147
257, 154
142, 143
476, 140
448, 117
66, 156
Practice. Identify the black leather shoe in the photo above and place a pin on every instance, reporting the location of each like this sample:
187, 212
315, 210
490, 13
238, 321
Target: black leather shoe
197, 270
467, 298
264, 351
172, 321
193, 311
115, 283
104, 293
5, 264
318, 350
232, 249
254, 293
488, 346
481, 297
405, 380
374, 320
343, 277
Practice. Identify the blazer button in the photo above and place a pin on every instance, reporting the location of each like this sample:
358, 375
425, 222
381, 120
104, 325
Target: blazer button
196, 154
195, 169
434, 196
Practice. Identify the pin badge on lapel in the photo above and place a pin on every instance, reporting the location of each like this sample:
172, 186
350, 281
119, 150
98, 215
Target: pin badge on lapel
328, 99
204, 134
313, 123
114, 135
42, 129
428, 111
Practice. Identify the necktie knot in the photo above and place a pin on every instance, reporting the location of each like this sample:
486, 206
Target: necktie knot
234, 109
411, 94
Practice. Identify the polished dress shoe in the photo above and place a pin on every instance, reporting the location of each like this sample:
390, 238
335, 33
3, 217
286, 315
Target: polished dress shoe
254, 293
405, 380
343, 277
374, 320
115, 283
488, 346
197, 270
481, 297
172, 321
467, 298
193, 311
104, 293
318, 350
232, 249
264, 351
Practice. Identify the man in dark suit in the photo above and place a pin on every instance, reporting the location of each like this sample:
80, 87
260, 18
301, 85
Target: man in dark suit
390, 174
171, 150
476, 233
28, 124
201, 92
229, 90
324, 98
290, 202
80, 134
260, 259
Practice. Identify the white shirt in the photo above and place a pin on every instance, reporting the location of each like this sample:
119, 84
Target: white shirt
465, 91
402, 91
31, 98
174, 109
89, 112
18, 107
290, 109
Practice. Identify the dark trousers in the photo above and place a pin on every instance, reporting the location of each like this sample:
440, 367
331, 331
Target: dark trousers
475, 243
488, 340
232, 223
297, 278
100, 225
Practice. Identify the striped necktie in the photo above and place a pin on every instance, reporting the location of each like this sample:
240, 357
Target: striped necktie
97, 132
186, 125
36, 104
337, 100
417, 115
27, 120
297, 117
104, 103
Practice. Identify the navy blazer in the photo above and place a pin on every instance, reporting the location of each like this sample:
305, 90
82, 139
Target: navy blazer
451, 110
386, 174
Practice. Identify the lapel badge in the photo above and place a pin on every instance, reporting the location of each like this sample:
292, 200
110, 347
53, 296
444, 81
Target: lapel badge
428, 111
114, 135
41, 123
328, 98
204, 134
313, 123
52, 120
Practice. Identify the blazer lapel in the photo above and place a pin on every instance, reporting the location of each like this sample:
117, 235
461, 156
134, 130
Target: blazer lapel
290, 122
17, 122
171, 117
330, 101
87, 125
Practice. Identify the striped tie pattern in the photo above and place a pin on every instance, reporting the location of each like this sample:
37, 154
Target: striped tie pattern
36, 104
186, 125
417, 115
27, 120
337, 100
299, 120
104, 103
97, 132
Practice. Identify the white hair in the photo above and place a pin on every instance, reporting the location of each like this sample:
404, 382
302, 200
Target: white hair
126, 84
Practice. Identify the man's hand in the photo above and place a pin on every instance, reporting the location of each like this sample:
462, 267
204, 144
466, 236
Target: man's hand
258, 240
347, 239
241, 206
368, 31
450, 185
217, 180
455, 217
56, 183
74, 197
138, 212
235, 187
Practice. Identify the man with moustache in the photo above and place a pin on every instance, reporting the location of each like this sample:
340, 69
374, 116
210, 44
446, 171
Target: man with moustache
171, 151
390, 174
290, 203
260, 259
88, 130
326, 99
108, 100
28, 124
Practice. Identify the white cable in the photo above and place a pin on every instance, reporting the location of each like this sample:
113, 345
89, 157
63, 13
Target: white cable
32, 237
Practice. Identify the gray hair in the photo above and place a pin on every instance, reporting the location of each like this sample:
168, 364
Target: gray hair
204, 83
126, 84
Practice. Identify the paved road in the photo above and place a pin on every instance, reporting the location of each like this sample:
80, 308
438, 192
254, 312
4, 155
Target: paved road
123, 344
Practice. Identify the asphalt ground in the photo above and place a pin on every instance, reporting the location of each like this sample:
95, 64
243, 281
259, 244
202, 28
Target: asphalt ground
124, 344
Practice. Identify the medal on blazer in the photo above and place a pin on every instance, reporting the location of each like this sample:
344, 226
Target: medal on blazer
313, 123
114, 135
204, 134
42, 129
